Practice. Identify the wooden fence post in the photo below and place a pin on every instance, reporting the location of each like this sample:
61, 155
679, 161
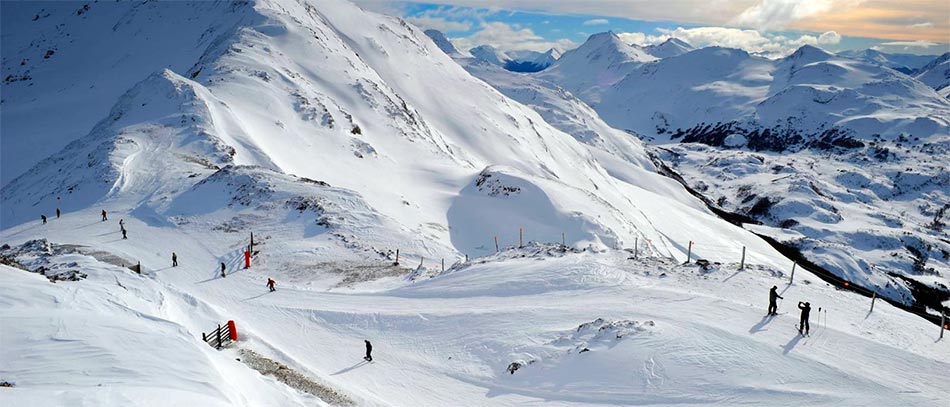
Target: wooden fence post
563, 240
792, 278
689, 252
397, 258
742, 262
636, 246
496, 244
443, 264
873, 298
520, 237
218, 333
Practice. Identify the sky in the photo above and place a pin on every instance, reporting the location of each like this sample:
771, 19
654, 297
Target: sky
767, 27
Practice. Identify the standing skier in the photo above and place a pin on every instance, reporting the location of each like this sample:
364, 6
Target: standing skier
122, 223
803, 325
773, 294
104, 218
57, 213
270, 284
369, 351
223, 268
174, 260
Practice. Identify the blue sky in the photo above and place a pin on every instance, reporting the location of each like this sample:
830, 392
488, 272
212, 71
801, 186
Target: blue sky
539, 27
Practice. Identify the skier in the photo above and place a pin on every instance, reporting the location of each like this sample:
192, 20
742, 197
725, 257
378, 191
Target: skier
803, 325
223, 268
44, 218
123, 234
122, 223
369, 351
57, 213
270, 284
174, 260
104, 218
773, 294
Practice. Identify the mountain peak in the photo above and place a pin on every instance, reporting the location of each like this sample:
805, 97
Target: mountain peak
441, 41
809, 53
489, 54
669, 48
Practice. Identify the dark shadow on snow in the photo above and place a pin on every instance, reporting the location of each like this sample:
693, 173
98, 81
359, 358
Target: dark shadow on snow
791, 344
758, 327
358, 365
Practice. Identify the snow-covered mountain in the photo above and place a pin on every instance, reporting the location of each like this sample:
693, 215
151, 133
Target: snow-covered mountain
669, 48
906, 63
356, 115
936, 74
802, 97
515, 61
489, 54
868, 122
597, 65
340, 137
531, 61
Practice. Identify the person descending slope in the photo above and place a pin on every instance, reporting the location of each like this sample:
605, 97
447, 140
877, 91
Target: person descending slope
174, 260
223, 268
773, 294
104, 218
803, 325
270, 284
369, 351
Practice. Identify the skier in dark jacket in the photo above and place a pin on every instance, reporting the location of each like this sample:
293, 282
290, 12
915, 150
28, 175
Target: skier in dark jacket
773, 294
270, 284
803, 325
223, 268
369, 351
104, 218
43, 217
57, 213
174, 260
123, 234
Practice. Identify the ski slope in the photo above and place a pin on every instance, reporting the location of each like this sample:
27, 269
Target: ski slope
444, 338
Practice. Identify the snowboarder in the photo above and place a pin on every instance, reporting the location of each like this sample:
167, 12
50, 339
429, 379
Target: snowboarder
803, 325
124, 236
773, 294
369, 351
174, 260
57, 213
104, 218
43, 217
270, 284
223, 268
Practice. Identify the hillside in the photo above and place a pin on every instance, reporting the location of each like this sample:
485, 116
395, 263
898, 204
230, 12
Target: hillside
465, 219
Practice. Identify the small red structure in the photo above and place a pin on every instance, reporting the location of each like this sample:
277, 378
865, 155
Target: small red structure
247, 259
232, 330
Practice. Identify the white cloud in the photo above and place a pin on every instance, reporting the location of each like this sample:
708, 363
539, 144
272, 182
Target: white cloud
777, 14
439, 23
829, 37
927, 24
507, 38
597, 21
911, 44
751, 41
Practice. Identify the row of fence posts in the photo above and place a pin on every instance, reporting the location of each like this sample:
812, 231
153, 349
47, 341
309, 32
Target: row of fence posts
636, 247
